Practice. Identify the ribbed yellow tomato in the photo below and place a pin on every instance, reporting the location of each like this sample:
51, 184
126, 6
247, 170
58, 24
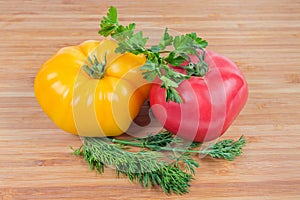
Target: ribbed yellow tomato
90, 90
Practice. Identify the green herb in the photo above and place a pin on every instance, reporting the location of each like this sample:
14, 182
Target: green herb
226, 149
148, 168
158, 58
110, 25
144, 167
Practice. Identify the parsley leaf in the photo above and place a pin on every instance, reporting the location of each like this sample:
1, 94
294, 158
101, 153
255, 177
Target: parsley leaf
184, 44
176, 60
166, 40
149, 70
199, 41
110, 26
135, 44
109, 23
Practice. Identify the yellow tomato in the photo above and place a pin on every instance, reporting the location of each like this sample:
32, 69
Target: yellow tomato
90, 90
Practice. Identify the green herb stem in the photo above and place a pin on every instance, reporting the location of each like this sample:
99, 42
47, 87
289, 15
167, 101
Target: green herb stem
136, 144
225, 149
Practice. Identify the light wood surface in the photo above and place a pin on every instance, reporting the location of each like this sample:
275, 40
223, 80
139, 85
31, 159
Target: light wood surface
261, 36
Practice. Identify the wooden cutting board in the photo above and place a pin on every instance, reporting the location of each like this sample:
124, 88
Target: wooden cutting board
261, 36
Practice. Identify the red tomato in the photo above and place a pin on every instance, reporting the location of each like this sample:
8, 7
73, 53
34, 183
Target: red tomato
210, 103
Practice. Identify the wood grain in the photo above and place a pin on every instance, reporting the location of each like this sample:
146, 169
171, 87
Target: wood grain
262, 37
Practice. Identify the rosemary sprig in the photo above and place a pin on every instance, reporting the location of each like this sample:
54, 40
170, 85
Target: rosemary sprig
158, 58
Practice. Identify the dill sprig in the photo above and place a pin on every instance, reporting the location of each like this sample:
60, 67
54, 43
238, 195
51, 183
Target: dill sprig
144, 167
226, 149
148, 167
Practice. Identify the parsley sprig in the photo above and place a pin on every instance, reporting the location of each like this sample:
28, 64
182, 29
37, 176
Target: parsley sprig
159, 58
